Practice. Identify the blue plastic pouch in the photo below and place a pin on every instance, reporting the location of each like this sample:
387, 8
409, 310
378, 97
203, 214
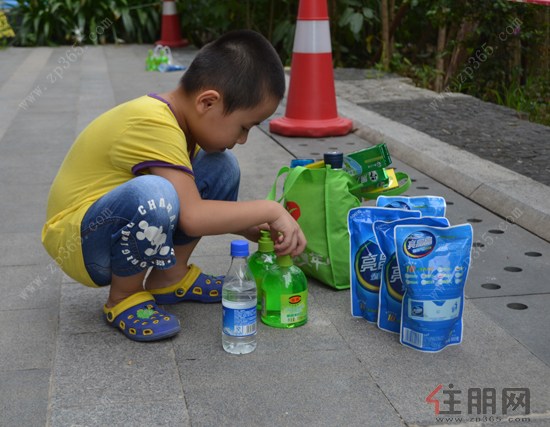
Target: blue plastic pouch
434, 265
391, 285
428, 205
366, 259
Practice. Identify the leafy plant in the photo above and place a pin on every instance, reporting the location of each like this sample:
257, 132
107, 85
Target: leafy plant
53, 22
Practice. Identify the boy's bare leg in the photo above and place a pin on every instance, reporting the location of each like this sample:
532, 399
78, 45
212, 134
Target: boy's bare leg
123, 287
163, 278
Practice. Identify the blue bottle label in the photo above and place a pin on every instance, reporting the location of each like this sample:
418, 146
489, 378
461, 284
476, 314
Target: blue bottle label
239, 322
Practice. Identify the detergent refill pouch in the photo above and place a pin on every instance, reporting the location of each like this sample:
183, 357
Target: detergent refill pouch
434, 265
366, 259
391, 285
428, 205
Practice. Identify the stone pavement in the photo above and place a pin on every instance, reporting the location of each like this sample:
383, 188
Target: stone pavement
61, 365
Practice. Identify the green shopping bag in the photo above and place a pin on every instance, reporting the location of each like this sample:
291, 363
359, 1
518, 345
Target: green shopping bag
319, 200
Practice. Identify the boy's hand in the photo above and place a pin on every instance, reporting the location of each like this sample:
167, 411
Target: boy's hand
287, 235
253, 233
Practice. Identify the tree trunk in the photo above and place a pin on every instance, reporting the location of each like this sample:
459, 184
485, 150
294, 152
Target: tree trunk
440, 60
391, 39
385, 34
393, 27
398, 17
546, 48
271, 16
459, 52
515, 61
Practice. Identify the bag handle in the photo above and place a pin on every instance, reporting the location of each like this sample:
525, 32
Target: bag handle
293, 175
399, 176
273, 192
168, 54
157, 50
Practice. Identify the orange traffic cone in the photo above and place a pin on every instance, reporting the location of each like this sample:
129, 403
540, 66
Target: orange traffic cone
170, 27
311, 104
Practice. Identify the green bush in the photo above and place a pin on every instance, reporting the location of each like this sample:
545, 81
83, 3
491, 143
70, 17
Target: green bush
55, 22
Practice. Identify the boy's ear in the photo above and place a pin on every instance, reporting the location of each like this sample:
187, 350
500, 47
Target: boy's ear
206, 100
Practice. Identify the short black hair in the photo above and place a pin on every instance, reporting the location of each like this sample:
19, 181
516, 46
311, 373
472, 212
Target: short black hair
242, 65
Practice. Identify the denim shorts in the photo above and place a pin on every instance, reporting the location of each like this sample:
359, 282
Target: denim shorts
135, 226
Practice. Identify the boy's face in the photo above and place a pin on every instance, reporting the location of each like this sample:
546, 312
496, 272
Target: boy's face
218, 131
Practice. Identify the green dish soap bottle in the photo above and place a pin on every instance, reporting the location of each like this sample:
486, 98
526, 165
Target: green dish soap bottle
261, 261
284, 295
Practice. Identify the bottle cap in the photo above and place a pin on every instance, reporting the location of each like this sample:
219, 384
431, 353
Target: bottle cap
239, 248
300, 162
284, 261
265, 244
334, 158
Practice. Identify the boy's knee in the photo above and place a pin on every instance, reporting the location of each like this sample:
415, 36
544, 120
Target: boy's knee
217, 175
232, 171
155, 196
229, 177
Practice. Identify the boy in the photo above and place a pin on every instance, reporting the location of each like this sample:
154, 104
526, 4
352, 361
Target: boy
146, 179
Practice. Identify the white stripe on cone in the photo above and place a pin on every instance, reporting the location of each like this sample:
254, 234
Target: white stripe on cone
169, 8
312, 37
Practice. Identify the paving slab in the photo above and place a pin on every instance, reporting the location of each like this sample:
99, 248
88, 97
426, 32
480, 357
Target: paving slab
96, 368
514, 314
29, 341
25, 210
11, 59
24, 397
29, 287
121, 60
96, 75
284, 389
172, 412
24, 248
40, 169
81, 309
19, 85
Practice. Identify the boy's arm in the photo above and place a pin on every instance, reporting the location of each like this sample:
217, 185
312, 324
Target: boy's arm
200, 217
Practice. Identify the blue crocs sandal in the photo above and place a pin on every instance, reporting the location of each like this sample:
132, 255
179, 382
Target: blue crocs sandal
140, 319
195, 286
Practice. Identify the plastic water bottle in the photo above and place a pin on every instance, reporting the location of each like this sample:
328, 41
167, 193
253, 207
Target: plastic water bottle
261, 261
284, 295
239, 300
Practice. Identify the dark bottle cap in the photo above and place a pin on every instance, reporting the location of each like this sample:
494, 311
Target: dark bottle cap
334, 158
